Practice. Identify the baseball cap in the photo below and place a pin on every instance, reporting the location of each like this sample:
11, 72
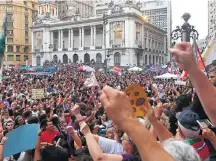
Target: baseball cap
188, 119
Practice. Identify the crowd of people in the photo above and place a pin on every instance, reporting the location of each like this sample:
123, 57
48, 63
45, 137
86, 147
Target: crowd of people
79, 123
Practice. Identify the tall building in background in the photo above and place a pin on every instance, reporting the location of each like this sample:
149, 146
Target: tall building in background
69, 8
159, 13
211, 18
20, 15
47, 8
101, 7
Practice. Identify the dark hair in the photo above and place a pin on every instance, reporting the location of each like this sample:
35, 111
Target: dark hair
52, 153
27, 114
182, 102
213, 70
33, 120
43, 123
197, 107
42, 117
84, 157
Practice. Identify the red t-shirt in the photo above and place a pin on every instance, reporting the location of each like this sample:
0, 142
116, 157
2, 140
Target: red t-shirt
48, 136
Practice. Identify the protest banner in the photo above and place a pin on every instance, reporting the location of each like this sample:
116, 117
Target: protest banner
137, 98
21, 139
38, 93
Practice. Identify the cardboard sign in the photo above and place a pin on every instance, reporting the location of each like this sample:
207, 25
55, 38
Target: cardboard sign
38, 93
21, 139
137, 98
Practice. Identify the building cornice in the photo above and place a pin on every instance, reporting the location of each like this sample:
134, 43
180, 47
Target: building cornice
98, 20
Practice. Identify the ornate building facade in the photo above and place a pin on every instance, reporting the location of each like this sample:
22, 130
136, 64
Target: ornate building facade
20, 15
122, 38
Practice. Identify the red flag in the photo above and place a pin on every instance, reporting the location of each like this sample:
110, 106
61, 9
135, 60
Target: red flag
200, 59
184, 75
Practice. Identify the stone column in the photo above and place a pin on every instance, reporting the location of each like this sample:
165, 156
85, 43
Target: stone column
62, 39
69, 38
51, 37
142, 36
92, 36
59, 39
103, 36
83, 36
80, 37
72, 39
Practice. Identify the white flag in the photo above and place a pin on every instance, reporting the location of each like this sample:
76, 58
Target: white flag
89, 82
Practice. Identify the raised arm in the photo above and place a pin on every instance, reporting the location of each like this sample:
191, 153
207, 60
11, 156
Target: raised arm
118, 108
93, 146
76, 138
4, 139
161, 131
206, 92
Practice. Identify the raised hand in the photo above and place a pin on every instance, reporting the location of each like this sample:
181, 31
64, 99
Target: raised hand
117, 105
75, 110
84, 128
183, 55
4, 139
150, 114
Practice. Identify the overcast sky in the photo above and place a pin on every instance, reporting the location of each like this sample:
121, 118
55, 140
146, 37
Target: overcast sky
199, 14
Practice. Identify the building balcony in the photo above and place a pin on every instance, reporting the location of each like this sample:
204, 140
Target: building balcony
86, 48
139, 46
65, 49
75, 48
55, 49
98, 47
116, 46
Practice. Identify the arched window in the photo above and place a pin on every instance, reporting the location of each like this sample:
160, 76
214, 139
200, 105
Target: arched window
55, 58
98, 58
65, 59
75, 58
117, 59
86, 58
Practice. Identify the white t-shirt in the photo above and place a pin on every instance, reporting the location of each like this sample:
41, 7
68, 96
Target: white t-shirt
35, 113
110, 146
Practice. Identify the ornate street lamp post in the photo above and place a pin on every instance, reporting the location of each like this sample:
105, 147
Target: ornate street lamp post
186, 31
